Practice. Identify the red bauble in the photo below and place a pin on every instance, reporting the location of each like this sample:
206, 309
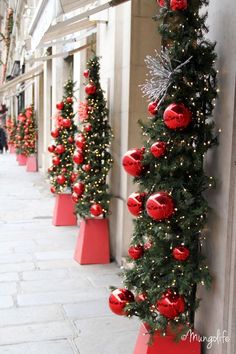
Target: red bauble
69, 99
78, 157
60, 149
86, 168
78, 188
178, 5
162, 3
61, 179
75, 197
160, 206
136, 252
90, 89
118, 299
135, 203
64, 170
80, 141
60, 105
53, 190
132, 162
140, 297
158, 149
88, 127
73, 177
86, 73
28, 113
66, 123
56, 161
55, 133
147, 245
70, 139
177, 116
171, 304
96, 209
50, 169
181, 253
152, 108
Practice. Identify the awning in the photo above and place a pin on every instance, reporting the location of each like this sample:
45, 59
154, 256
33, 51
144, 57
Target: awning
22, 78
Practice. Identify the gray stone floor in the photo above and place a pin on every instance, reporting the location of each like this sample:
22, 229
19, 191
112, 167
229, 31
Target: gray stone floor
49, 304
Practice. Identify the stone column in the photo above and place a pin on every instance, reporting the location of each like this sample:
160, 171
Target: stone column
47, 113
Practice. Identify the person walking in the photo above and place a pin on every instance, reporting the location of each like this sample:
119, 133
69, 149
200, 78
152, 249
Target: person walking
3, 140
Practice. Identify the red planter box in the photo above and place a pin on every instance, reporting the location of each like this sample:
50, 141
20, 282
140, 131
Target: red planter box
63, 214
31, 164
166, 345
93, 242
22, 159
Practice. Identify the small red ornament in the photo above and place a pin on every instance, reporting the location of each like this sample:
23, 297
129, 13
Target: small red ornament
161, 3
147, 245
96, 209
171, 304
140, 297
160, 206
73, 177
53, 190
135, 203
61, 179
90, 89
176, 5
66, 123
86, 73
50, 169
70, 139
69, 99
60, 105
78, 157
177, 116
64, 170
75, 197
132, 162
56, 161
152, 108
78, 188
88, 128
118, 300
80, 141
60, 149
181, 253
86, 167
136, 252
28, 113
158, 149
55, 133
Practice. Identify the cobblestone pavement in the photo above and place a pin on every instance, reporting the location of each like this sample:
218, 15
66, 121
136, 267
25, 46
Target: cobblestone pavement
49, 304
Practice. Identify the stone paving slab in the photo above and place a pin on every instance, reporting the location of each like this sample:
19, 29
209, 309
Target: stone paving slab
50, 347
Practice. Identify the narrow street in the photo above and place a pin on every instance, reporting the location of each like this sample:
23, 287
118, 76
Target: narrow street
48, 303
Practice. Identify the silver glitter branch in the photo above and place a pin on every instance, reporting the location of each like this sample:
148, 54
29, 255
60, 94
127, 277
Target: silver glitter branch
161, 72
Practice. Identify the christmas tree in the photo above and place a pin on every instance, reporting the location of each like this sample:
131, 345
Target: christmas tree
30, 132
92, 154
170, 208
20, 134
61, 172
11, 130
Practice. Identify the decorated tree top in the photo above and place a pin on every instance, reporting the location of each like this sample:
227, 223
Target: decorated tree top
30, 131
165, 251
61, 172
92, 154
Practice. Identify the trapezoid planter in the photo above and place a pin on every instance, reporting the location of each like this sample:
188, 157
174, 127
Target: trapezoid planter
32, 165
166, 344
63, 214
22, 160
93, 246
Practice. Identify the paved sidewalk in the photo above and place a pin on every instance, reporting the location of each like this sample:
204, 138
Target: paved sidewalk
48, 303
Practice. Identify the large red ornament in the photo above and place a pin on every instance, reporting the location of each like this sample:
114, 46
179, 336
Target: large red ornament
177, 116
78, 157
132, 162
56, 161
60, 149
160, 206
66, 123
88, 127
135, 203
55, 133
70, 139
60, 105
80, 141
119, 299
53, 190
78, 188
152, 108
61, 179
69, 99
96, 209
73, 177
86, 167
181, 253
158, 149
171, 304
136, 252
90, 89
86, 73
178, 5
